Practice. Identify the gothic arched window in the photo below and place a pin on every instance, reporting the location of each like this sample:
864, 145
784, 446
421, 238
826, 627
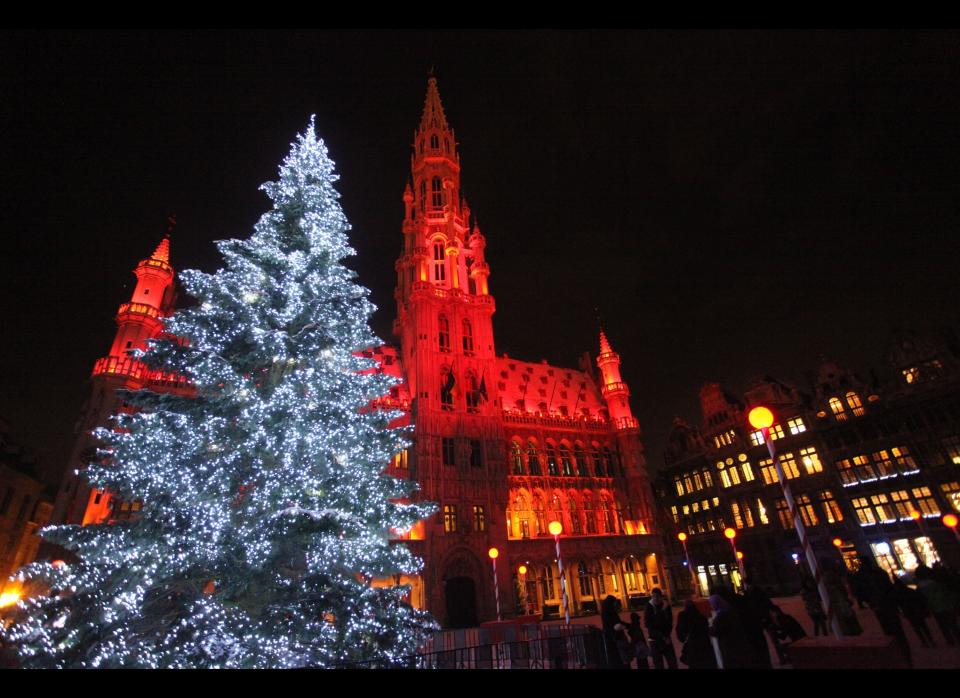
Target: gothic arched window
553, 467
516, 458
581, 458
436, 192
566, 463
439, 261
467, 330
473, 393
597, 462
446, 389
533, 459
443, 333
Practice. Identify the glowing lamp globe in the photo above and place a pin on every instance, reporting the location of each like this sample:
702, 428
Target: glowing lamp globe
522, 569
493, 553
739, 555
555, 528
950, 520
682, 536
760, 418
837, 542
8, 598
915, 515
730, 533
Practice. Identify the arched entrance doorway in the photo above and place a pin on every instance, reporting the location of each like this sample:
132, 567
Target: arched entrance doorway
461, 598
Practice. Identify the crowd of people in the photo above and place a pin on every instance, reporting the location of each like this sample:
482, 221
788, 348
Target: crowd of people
731, 630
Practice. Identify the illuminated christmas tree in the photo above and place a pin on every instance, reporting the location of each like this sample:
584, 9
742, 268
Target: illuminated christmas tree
265, 513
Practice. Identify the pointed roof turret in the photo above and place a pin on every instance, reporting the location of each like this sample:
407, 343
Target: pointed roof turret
605, 347
162, 253
433, 116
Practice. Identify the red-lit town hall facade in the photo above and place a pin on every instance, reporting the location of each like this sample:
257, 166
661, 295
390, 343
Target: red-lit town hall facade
503, 446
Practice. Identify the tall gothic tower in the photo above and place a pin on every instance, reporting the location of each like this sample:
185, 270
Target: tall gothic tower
505, 446
138, 320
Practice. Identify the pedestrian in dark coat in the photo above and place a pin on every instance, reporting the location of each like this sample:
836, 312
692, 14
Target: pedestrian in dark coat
914, 607
659, 621
811, 602
735, 652
612, 626
693, 630
882, 598
640, 648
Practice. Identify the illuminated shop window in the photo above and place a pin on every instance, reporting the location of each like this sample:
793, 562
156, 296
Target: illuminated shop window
796, 425
837, 408
810, 460
855, 405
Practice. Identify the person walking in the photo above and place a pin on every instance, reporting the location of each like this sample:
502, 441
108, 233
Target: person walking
640, 647
914, 607
612, 626
732, 649
813, 606
659, 621
941, 601
693, 630
881, 597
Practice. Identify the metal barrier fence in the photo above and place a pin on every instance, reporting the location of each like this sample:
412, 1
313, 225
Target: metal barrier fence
518, 647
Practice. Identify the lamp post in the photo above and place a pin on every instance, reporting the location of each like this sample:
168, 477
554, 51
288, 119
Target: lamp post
494, 553
682, 537
556, 528
731, 534
522, 572
950, 521
762, 418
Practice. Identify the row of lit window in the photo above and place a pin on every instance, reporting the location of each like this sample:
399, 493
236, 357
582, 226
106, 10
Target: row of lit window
451, 521
732, 473
853, 402
882, 465
794, 426
893, 506
561, 462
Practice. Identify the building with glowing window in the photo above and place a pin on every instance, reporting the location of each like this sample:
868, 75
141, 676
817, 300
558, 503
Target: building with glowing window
873, 465
504, 446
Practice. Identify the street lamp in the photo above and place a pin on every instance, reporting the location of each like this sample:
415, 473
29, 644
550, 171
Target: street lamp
556, 528
522, 572
494, 554
682, 537
950, 521
762, 418
738, 556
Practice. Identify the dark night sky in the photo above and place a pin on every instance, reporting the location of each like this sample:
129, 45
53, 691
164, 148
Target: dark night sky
735, 203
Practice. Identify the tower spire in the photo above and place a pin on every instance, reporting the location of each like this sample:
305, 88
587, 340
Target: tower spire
433, 116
